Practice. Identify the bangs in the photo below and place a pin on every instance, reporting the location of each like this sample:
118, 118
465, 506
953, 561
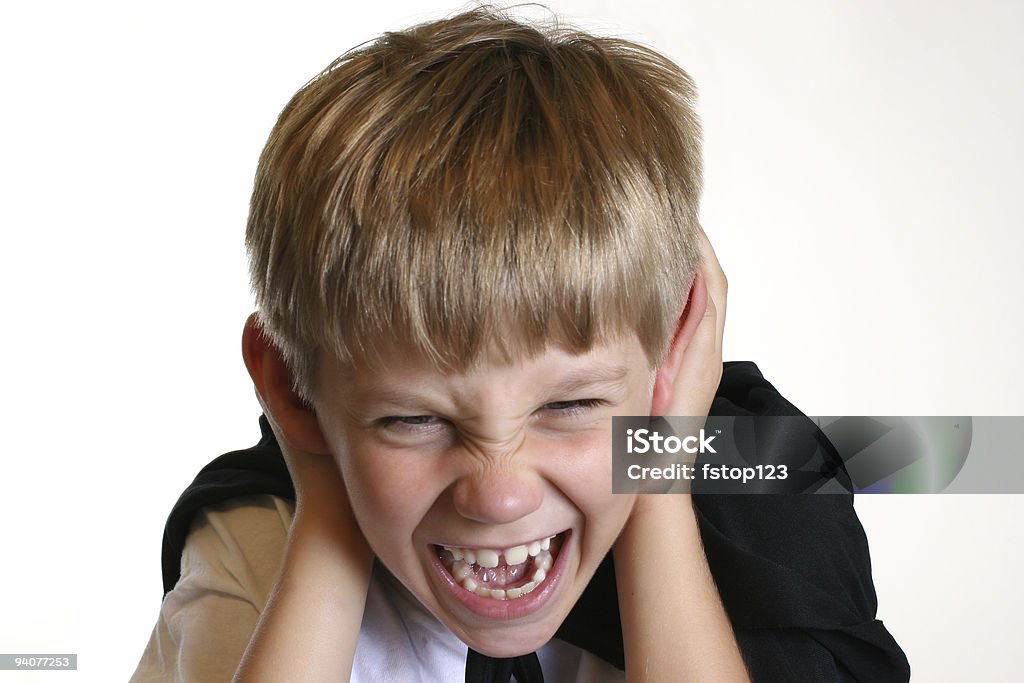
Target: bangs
459, 291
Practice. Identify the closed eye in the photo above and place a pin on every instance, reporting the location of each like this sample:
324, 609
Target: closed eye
409, 421
574, 407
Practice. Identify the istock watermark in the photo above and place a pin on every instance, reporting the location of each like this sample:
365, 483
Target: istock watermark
645, 440
801, 454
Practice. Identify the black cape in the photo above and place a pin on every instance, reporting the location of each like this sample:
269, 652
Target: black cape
793, 571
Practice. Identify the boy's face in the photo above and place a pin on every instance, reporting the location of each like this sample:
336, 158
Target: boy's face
441, 469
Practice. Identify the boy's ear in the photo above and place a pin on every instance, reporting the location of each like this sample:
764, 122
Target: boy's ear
294, 419
665, 379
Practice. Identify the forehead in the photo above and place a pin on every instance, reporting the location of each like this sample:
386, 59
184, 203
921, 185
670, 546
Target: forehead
399, 372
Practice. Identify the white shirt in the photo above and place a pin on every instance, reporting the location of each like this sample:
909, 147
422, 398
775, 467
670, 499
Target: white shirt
228, 568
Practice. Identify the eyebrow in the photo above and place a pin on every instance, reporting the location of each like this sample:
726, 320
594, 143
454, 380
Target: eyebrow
607, 377
604, 376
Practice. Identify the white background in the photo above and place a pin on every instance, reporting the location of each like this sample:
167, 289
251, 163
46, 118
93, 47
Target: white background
863, 174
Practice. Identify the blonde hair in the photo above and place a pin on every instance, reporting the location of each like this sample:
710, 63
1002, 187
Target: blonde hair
476, 183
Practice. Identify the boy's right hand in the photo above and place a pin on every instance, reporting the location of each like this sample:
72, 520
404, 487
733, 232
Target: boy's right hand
321, 497
316, 607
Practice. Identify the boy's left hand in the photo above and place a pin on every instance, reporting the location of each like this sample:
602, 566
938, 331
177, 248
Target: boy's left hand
674, 626
310, 626
692, 389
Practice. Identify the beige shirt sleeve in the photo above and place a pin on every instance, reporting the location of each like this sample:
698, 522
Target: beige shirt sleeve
228, 568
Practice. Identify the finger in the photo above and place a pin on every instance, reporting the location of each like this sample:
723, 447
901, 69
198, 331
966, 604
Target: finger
714, 276
701, 367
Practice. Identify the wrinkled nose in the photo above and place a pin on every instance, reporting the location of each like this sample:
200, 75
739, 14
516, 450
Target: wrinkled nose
498, 496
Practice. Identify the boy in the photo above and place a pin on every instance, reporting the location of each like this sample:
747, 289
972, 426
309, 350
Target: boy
472, 243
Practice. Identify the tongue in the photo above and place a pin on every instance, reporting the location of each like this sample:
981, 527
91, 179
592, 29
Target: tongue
504, 575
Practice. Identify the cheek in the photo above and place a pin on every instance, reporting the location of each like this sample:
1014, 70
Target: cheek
389, 495
590, 474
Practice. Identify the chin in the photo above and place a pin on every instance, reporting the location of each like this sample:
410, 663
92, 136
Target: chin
509, 641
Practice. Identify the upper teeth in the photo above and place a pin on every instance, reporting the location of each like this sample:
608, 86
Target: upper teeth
488, 558
486, 581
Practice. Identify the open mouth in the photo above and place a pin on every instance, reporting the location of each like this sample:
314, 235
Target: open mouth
501, 574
